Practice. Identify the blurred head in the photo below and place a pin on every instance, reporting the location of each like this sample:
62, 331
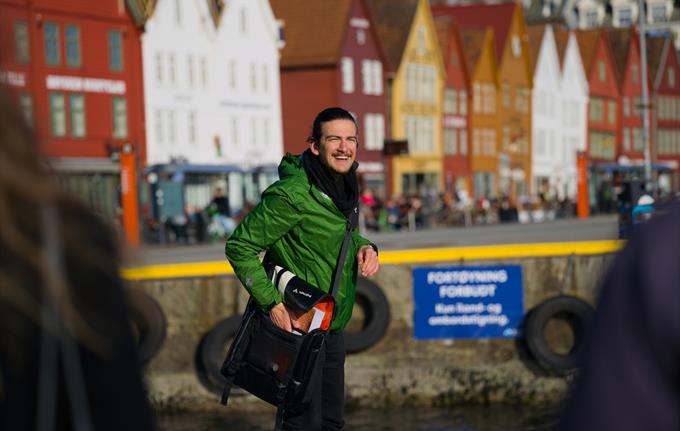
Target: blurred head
335, 139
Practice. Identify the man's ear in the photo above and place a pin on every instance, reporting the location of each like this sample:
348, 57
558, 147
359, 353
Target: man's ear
314, 146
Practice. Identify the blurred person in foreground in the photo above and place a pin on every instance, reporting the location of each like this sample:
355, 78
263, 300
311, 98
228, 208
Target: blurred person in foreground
301, 222
631, 374
67, 355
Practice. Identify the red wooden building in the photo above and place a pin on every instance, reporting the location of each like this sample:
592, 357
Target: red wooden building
75, 67
626, 52
456, 115
664, 72
331, 58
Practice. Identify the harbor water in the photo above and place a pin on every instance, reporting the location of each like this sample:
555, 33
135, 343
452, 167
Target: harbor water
464, 418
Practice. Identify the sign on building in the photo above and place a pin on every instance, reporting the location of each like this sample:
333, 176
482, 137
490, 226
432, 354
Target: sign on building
467, 302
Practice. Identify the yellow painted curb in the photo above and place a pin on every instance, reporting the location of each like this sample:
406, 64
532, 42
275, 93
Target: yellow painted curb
430, 255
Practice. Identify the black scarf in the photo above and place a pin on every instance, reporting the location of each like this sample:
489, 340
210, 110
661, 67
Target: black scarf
342, 189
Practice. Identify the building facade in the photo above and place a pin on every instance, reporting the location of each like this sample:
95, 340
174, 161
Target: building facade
77, 77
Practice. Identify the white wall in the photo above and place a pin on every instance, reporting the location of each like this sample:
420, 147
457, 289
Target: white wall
245, 120
247, 105
546, 157
179, 31
574, 90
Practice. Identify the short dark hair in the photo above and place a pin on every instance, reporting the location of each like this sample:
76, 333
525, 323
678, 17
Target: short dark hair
329, 114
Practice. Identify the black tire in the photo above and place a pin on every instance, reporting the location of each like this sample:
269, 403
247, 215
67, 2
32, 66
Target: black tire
148, 322
376, 310
576, 313
212, 350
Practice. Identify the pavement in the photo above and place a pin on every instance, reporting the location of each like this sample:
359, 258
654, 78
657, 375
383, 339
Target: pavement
591, 229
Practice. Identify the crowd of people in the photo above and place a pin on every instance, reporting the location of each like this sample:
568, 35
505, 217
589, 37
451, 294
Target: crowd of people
416, 211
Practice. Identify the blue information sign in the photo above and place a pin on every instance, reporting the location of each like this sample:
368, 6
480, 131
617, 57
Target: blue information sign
467, 302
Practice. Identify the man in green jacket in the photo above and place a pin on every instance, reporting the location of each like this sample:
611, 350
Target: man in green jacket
301, 223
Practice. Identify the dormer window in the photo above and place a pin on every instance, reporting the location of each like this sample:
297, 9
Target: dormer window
657, 11
671, 78
516, 46
421, 47
623, 16
589, 15
361, 36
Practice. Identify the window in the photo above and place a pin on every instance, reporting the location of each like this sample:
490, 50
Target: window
77, 107
232, 74
172, 70
178, 12
658, 12
265, 130
172, 127
596, 109
26, 104
57, 114
243, 20
190, 70
476, 142
192, 127
159, 67
115, 51
22, 51
253, 132
476, 97
626, 106
611, 112
463, 102
204, 72
120, 129
671, 77
371, 74
450, 144
374, 125
626, 139
361, 36
638, 139
624, 17
265, 78
52, 57
602, 145
159, 125
634, 73
505, 94
601, 70
462, 143
506, 138
421, 48
347, 75
72, 45
253, 77
234, 131
450, 101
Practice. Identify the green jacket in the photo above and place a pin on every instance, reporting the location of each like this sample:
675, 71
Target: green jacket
301, 229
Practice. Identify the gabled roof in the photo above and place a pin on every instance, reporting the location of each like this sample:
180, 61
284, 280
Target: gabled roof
473, 44
620, 40
656, 49
146, 8
393, 21
140, 10
313, 29
561, 41
587, 46
480, 16
448, 35
535, 34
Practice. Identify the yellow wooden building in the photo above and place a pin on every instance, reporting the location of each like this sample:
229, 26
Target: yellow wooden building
416, 78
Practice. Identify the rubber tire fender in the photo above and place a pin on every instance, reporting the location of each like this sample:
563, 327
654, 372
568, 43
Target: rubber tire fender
212, 350
576, 312
149, 323
373, 302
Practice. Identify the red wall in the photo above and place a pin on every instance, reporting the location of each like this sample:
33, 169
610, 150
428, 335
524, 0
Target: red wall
357, 102
666, 90
607, 89
304, 93
102, 16
631, 90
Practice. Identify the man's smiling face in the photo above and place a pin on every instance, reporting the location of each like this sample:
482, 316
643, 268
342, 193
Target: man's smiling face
337, 147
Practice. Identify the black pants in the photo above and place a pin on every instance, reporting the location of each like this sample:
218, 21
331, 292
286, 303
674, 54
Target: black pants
327, 410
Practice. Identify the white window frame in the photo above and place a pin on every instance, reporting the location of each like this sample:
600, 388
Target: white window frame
347, 72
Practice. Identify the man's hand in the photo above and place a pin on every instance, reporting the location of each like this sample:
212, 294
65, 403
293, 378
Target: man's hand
368, 261
280, 317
